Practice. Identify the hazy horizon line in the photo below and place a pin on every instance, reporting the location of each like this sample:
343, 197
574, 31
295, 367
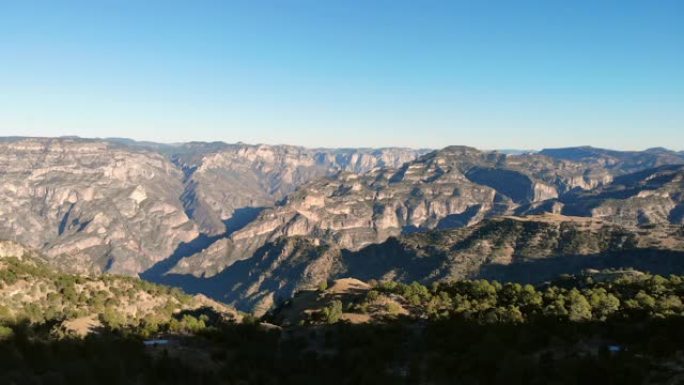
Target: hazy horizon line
221, 141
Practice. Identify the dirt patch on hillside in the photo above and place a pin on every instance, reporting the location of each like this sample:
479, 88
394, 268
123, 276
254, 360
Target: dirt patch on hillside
82, 326
348, 286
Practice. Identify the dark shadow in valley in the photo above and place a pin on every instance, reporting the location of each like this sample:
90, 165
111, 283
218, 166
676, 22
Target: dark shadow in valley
183, 250
273, 270
411, 229
241, 218
407, 265
231, 284
513, 184
218, 287
451, 221
677, 214
65, 220
158, 272
459, 220
654, 261
390, 257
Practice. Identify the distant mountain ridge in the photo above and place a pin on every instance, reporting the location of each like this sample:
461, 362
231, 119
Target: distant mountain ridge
627, 161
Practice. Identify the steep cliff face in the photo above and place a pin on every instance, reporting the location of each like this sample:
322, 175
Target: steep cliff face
94, 204
123, 206
227, 185
453, 187
649, 197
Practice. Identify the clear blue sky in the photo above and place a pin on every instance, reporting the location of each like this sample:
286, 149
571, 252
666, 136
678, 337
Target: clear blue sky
506, 74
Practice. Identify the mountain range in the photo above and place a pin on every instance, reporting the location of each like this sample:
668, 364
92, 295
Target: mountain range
252, 224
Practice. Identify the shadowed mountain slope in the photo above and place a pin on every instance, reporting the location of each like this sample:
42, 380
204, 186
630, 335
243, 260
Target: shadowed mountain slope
525, 249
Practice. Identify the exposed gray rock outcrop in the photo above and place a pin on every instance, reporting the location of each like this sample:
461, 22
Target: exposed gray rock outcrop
93, 204
453, 187
227, 184
123, 206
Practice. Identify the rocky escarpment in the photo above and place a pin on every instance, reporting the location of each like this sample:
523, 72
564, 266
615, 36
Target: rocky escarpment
649, 197
91, 204
122, 206
453, 187
263, 212
228, 184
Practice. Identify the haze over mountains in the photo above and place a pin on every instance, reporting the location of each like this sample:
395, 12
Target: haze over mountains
250, 224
